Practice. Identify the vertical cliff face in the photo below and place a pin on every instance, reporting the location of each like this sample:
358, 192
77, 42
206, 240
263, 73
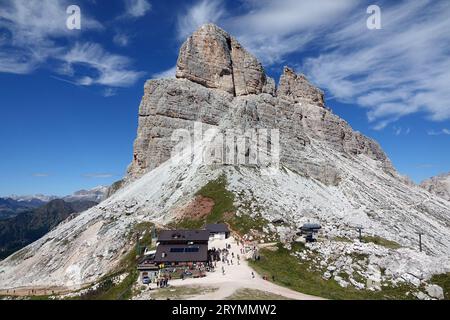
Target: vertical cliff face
219, 83
214, 59
205, 58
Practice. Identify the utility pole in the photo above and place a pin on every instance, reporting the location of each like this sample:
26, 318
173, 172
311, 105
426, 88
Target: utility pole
359, 232
153, 232
420, 241
138, 249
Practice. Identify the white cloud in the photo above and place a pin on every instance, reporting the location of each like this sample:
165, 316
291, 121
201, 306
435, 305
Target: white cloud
112, 70
121, 39
39, 20
28, 31
444, 131
109, 92
136, 8
15, 61
204, 11
34, 32
166, 74
271, 29
399, 70
399, 131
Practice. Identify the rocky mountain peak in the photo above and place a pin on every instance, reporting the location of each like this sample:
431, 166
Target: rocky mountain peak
228, 88
214, 59
297, 88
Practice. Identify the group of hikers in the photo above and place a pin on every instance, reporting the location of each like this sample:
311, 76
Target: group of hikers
163, 282
229, 258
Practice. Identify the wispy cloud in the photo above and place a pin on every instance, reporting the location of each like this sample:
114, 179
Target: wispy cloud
401, 131
98, 175
272, 29
41, 175
34, 33
17, 61
39, 20
136, 8
112, 70
204, 11
400, 70
438, 132
109, 92
121, 39
166, 74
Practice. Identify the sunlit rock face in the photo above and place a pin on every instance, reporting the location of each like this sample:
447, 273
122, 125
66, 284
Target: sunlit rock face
219, 83
214, 59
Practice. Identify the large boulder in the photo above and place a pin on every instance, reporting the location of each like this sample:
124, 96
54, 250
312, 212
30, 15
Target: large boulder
435, 291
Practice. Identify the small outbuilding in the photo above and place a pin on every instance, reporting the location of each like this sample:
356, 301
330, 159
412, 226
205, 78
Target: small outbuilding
148, 268
308, 230
218, 231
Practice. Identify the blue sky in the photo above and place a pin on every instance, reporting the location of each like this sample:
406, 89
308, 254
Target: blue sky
69, 98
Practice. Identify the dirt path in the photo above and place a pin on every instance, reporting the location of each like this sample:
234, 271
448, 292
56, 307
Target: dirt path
236, 277
33, 291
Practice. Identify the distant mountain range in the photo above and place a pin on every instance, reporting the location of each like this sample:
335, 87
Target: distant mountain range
24, 219
10, 207
14, 205
439, 185
35, 197
30, 225
96, 194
